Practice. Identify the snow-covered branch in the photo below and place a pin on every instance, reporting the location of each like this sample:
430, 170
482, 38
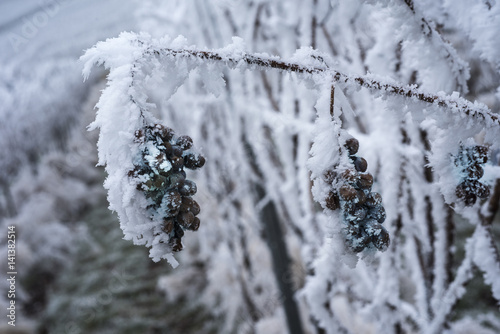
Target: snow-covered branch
455, 103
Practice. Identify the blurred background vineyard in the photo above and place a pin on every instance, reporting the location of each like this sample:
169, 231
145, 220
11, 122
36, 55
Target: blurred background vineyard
76, 274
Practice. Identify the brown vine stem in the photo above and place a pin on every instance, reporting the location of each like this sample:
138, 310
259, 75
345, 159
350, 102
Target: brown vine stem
332, 99
461, 105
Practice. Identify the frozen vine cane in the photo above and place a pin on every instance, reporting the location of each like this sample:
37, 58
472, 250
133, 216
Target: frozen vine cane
159, 172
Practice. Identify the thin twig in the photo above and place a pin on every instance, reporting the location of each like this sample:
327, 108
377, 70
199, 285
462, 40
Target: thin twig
459, 66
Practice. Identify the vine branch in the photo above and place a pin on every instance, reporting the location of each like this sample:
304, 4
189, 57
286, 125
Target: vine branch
461, 105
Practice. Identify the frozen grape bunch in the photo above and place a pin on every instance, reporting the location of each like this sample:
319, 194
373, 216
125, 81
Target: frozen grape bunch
469, 161
362, 209
160, 175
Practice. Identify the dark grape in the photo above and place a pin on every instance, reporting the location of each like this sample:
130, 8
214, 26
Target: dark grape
373, 199
475, 171
192, 161
330, 176
196, 224
139, 136
165, 133
350, 176
356, 239
195, 208
478, 154
177, 162
168, 225
360, 197
360, 164
178, 231
185, 219
176, 180
176, 244
378, 234
168, 149
480, 189
461, 190
159, 181
470, 199
176, 151
347, 192
352, 145
188, 189
365, 181
148, 185
360, 213
201, 161
172, 200
377, 213
188, 204
185, 142
332, 201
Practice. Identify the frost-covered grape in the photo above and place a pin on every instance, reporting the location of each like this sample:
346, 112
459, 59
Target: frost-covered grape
352, 145
192, 161
360, 197
373, 199
176, 244
469, 160
377, 213
350, 176
171, 202
165, 132
360, 164
365, 181
330, 176
168, 225
176, 180
159, 181
379, 235
139, 136
475, 171
470, 199
188, 188
332, 201
196, 224
347, 192
480, 189
185, 219
177, 162
356, 239
177, 151
360, 213
461, 190
201, 161
195, 208
188, 204
178, 231
167, 149
185, 142
478, 153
